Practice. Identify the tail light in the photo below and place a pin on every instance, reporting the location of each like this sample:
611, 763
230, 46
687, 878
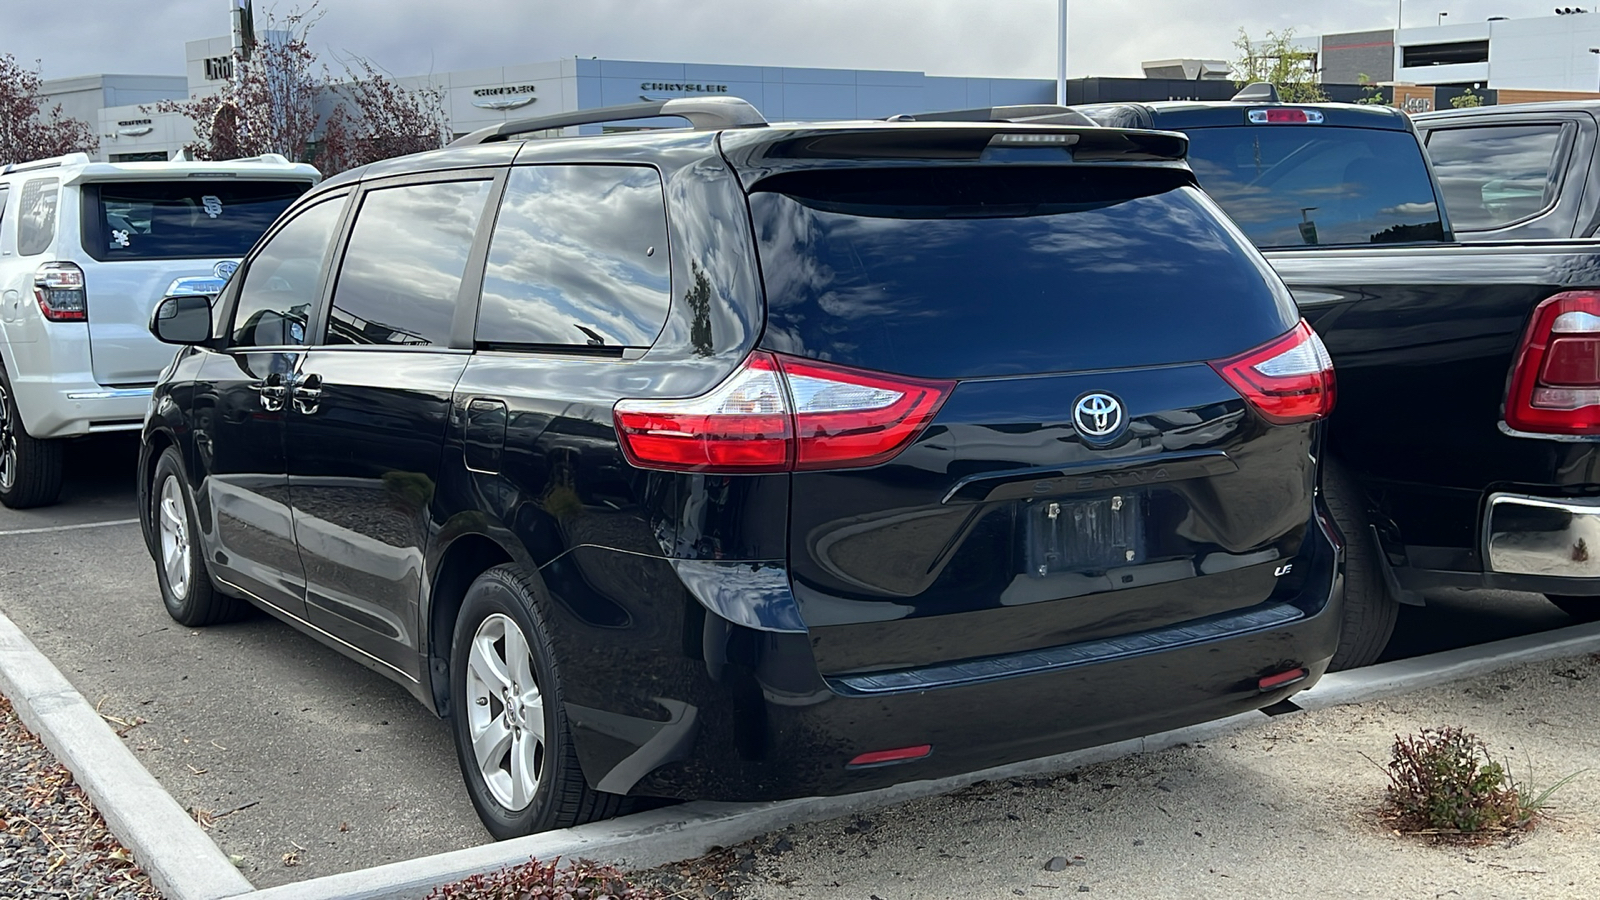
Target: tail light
781, 414
1288, 379
1555, 376
58, 286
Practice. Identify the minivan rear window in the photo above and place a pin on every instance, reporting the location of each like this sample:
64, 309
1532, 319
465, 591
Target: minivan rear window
190, 219
968, 272
1300, 185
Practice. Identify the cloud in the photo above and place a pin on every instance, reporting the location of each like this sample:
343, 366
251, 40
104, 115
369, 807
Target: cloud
1015, 38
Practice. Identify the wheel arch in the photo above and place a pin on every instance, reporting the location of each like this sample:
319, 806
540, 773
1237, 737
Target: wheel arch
462, 560
154, 443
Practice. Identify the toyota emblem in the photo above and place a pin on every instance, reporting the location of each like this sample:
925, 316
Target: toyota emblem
225, 269
1098, 416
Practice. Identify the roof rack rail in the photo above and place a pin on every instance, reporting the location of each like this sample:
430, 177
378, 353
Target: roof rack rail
276, 159
1028, 113
1258, 92
48, 163
703, 113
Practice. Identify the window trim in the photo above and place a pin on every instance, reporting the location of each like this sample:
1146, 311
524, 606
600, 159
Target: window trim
236, 283
1560, 162
55, 226
471, 276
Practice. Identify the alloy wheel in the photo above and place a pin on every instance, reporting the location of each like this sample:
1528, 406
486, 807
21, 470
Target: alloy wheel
8, 443
505, 712
173, 523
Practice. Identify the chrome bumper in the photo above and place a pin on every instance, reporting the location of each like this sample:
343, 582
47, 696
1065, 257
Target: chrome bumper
1525, 535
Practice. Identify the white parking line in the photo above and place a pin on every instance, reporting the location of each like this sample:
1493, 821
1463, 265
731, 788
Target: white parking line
70, 527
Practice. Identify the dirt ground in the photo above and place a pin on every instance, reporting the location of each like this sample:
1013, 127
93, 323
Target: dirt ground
1283, 809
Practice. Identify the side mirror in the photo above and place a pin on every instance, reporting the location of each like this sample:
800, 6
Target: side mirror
183, 319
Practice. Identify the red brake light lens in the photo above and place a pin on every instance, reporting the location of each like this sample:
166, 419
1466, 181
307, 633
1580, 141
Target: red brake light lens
58, 288
1288, 379
781, 414
1555, 376
1282, 116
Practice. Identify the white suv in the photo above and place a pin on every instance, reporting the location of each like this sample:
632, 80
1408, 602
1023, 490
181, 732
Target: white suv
87, 250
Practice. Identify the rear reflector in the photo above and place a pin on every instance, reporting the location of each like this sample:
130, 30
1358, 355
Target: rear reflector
885, 757
1555, 376
780, 414
1282, 679
1288, 379
1282, 116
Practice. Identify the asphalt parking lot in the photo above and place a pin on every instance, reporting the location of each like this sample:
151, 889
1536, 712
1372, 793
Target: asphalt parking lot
308, 764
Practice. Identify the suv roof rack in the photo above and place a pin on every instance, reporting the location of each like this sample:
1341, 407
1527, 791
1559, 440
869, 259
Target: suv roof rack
703, 113
48, 163
1029, 113
1258, 92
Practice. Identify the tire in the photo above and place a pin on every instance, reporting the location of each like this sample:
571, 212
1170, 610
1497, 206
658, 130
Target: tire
1369, 609
30, 469
186, 589
1582, 609
501, 606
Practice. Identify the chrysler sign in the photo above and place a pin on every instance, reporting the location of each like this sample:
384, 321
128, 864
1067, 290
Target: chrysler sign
684, 88
510, 96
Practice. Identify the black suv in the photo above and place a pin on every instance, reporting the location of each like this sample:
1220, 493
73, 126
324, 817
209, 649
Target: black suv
753, 461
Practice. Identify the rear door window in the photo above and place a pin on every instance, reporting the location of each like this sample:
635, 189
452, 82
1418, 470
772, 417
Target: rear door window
191, 219
1299, 185
1495, 176
403, 268
36, 215
955, 273
578, 259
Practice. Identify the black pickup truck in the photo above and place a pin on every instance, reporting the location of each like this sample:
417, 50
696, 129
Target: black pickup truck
1462, 450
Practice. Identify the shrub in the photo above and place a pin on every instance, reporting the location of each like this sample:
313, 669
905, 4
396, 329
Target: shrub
533, 880
1444, 782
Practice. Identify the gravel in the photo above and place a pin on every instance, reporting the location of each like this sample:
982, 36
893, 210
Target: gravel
52, 841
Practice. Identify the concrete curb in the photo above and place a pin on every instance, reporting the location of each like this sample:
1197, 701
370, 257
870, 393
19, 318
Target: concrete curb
1405, 675
169, 846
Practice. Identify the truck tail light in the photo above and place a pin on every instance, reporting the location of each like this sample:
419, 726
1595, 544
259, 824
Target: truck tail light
1288, 379
1555, 375
781, 414
58, 286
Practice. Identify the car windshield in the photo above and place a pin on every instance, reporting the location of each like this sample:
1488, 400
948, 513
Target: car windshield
1298, 185
191, 219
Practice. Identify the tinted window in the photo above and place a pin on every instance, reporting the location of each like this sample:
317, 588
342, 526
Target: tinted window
959, 273
182, 219
403, 268
579, 257
36, 216
1293, 185
1495, 176
281, 281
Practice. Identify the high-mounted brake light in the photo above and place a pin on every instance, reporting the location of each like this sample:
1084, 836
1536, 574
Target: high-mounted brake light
1283, 116
58, 288
781, 414
1288, 379
1555, 376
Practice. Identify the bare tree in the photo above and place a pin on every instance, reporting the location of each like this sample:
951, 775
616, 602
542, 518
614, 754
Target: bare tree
282, 100
28, 132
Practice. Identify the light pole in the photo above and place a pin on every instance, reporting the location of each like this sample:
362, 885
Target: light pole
1400, 15
1440, 21
1595, 50
1061, 55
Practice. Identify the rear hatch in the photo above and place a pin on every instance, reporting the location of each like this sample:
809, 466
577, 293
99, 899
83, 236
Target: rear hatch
143, 234
1089, 473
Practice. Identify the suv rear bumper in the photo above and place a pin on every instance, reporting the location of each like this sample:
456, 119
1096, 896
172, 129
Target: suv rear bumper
786, 731
52, 409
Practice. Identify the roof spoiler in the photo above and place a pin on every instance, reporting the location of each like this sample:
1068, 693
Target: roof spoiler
1031, 113
1258, 92
703, 113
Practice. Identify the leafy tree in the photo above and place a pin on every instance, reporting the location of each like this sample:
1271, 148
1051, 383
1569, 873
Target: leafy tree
28, 132
1277, 61
1371, 94
1466, 99
283, 100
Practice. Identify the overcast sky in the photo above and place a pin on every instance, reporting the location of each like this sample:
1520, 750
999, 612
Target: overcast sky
942, 37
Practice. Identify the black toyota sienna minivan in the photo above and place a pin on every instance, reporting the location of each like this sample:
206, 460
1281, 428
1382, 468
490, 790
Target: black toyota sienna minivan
747, 461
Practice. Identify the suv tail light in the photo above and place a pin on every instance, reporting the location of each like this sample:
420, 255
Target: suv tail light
58, 286
781, 414
1555, 376
1288, 379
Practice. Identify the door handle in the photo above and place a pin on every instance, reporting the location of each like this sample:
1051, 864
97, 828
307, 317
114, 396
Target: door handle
307, 394
272, 391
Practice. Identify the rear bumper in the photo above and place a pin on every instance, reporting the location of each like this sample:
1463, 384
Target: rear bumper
51, 409
1538, 544
787, 731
